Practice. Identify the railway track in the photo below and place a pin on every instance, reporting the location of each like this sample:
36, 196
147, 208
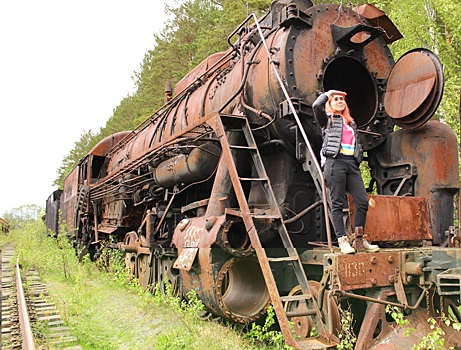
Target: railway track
29, 318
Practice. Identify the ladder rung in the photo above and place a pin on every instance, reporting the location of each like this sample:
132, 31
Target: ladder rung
285, 258
264, 216
242, 147
314, 343
253, 178
233, 212
232, 121
259, 215
298, 297
299, 313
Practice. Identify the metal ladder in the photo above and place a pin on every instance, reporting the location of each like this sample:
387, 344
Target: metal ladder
310, 164
81, 206
325, 338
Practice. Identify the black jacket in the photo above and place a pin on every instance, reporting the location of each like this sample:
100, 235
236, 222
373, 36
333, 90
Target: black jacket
332, 130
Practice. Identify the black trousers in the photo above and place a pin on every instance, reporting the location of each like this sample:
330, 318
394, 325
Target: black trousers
342, 174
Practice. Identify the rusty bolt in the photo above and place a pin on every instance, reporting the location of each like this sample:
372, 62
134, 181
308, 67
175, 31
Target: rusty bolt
391, 279
390, 259
373, 280
373, 260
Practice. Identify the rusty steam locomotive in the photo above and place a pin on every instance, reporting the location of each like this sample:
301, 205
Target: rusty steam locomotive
220, 190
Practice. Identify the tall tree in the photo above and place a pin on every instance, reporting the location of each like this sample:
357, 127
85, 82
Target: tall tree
17, 217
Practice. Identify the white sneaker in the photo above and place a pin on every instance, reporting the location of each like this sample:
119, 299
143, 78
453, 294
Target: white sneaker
345, 246
370, 248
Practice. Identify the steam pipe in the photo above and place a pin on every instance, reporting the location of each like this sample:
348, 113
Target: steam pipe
302, 213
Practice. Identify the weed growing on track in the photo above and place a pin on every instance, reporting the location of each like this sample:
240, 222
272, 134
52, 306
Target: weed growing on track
436, 338
265, 332
107, 311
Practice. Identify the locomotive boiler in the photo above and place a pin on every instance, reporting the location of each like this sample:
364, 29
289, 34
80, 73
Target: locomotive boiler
220, 191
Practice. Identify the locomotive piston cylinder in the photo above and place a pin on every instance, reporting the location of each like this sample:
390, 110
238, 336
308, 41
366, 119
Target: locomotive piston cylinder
199, 164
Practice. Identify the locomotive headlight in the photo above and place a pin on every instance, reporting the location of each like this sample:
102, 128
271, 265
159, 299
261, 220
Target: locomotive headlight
183, 224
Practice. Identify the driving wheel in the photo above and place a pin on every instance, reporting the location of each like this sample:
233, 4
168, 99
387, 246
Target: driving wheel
144, 270
303, 325
167, 274
130, 257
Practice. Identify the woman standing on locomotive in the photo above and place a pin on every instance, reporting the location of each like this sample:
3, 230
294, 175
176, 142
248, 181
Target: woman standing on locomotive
342, 154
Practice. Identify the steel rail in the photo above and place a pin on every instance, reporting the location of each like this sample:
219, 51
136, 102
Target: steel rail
28, 342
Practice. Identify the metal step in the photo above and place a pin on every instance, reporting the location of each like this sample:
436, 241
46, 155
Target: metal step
313, 343
281, 259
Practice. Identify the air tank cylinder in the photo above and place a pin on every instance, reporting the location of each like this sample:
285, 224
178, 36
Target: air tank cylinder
199, 164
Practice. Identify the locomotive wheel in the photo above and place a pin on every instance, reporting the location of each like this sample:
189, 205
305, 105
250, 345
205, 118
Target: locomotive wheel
168, 275
130, 264
303, 325
144, 270
130, 258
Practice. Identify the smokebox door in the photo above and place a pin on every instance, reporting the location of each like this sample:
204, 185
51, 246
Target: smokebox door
414, 88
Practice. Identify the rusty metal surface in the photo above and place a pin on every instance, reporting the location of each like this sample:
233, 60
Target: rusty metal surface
375, 320
300, 45
198, 165
317, 47
402, 339
432, 151
379, 18
367, 270
188, 237
105, 145
392, 218
69, 198
197, 72
436, 157
402, 98
231, 287
414, 88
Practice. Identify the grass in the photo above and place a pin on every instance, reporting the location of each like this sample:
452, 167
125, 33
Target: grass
105, 311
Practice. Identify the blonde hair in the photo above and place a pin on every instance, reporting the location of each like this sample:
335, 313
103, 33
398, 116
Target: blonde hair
345, 113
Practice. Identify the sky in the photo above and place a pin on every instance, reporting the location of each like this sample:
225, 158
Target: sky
65, 65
